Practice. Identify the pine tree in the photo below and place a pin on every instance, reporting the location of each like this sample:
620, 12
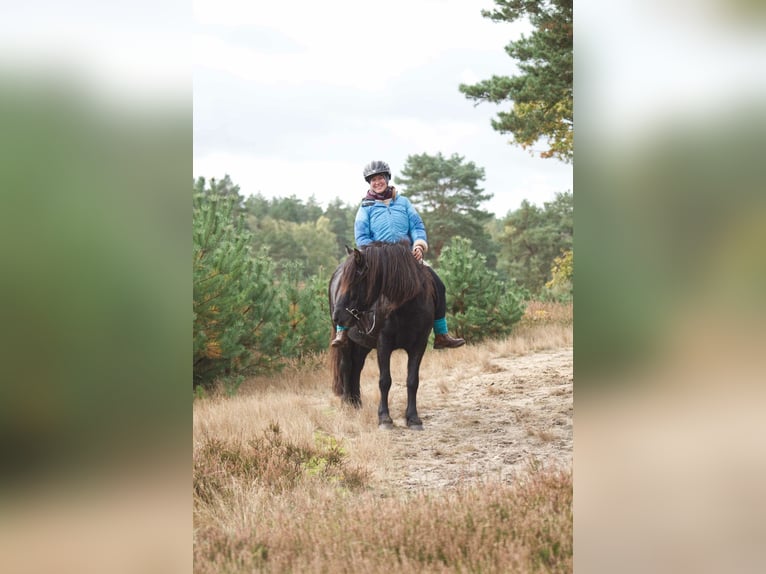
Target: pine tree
479, 305
447, 194
542, 93
233, 292
306, 324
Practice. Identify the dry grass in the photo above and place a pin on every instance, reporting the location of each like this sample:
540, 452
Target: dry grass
309, 494
543, 312
542, 434
492, 528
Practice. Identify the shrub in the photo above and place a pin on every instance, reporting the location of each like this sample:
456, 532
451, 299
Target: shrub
305, 321
479, 304
272, 462
233, 291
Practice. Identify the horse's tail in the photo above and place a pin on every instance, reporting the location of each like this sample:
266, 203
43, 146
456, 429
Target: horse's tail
336, 356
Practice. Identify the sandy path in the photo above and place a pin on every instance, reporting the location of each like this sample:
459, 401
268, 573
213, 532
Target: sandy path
487, 422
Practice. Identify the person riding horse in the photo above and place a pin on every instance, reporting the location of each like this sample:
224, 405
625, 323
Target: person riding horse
385, 215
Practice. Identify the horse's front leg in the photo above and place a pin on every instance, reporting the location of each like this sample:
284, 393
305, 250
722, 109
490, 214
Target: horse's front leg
353, 363
384, 366
413, 381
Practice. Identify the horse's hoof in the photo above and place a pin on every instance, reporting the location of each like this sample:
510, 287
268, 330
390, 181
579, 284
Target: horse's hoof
415, 426
385, 426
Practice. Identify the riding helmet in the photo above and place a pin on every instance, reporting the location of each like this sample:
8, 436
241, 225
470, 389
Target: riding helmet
376, 167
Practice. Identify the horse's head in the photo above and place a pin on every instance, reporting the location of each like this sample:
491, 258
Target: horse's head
351, 293
380, 276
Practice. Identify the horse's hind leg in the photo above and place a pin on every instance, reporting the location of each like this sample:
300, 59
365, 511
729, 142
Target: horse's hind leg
413, 381
384, 383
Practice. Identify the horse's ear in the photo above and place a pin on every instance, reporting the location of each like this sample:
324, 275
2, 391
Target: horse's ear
358, 257
349, 251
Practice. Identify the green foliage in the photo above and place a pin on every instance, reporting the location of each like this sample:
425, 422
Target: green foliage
233, 291
251, 312
293, 209
199, 393
479, 305
532, 239
257, 206
289, 208
311, 243
561, 285
290, 230
542, 93
447, 194
329, 457
341, 218
305, 323
223, 188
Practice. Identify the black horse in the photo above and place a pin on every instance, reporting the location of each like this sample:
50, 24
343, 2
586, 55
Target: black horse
386, 299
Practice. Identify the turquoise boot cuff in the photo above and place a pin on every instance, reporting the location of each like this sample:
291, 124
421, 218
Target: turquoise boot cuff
440, 326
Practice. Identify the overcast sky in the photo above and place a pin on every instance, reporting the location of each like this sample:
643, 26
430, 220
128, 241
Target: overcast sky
295, 98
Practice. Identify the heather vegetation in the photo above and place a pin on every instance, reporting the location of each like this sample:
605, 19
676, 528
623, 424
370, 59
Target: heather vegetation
287, 479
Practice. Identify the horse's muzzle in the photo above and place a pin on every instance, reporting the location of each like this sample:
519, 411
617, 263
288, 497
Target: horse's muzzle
342, 316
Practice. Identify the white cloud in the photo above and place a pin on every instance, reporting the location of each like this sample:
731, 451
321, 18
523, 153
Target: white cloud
428, 137
345, 43
468, 76
353, 25
296, 97
250, 65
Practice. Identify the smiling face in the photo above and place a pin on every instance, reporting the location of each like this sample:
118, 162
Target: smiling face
378, 183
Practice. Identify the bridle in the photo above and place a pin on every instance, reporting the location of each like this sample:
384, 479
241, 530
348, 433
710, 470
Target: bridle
362, 317
357, 315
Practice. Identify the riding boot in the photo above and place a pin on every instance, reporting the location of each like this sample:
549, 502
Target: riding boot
444, 341
341, 337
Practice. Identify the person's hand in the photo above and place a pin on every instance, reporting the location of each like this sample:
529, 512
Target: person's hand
417, 251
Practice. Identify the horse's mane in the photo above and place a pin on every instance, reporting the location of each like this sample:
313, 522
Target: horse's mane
391, 270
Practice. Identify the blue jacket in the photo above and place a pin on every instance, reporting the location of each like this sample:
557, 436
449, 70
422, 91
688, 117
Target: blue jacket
390, 221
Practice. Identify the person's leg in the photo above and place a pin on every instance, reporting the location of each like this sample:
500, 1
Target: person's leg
440, 305
442, 339
341, 336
